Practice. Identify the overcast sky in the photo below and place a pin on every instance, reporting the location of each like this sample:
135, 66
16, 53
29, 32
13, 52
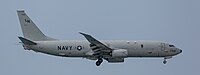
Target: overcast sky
172, 21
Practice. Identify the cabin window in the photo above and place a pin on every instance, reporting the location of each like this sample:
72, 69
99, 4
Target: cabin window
142, 46
128, 42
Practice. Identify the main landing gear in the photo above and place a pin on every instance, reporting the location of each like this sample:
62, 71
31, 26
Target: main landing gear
99, 61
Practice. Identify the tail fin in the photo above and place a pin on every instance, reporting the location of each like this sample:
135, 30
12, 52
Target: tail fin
29, 29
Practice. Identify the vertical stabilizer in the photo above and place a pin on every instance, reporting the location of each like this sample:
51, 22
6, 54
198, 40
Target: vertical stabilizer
29, 29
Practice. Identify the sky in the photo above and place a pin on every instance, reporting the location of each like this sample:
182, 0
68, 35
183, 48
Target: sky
172, 21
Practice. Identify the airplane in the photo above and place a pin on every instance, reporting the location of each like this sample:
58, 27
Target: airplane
113, 51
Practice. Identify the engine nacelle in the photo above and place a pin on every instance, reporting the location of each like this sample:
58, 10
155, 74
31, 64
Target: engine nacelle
119, 53
115, 60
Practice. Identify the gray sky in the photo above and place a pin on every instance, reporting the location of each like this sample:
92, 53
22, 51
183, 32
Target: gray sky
172, 21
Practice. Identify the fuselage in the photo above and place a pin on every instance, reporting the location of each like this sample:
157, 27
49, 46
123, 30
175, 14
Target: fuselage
80, 48
91, 48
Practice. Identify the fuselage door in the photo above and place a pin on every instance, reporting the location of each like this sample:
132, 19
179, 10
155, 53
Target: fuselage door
163, 51
163, 46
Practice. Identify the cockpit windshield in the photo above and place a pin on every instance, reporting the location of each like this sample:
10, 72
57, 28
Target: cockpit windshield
171, 46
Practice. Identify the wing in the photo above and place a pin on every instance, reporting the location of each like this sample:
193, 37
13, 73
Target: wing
97, 47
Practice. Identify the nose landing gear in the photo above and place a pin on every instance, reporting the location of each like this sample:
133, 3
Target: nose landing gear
164, 61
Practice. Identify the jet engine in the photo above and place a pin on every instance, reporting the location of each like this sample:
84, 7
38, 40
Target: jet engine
115, 60
119, 53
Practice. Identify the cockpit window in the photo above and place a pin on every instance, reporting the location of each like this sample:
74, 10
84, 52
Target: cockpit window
171, 46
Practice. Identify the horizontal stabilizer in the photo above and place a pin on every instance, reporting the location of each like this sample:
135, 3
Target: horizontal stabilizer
26, 41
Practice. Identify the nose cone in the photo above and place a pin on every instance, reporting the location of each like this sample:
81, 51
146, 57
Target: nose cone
180, 51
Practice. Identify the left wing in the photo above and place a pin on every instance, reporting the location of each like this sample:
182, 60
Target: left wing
97, 47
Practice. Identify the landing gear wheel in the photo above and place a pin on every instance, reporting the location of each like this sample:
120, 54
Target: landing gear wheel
99, 61
165, 61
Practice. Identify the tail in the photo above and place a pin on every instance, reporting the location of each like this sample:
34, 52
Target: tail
26, 41
29, 29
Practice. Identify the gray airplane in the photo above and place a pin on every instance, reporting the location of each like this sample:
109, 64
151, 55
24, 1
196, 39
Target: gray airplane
113, 51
